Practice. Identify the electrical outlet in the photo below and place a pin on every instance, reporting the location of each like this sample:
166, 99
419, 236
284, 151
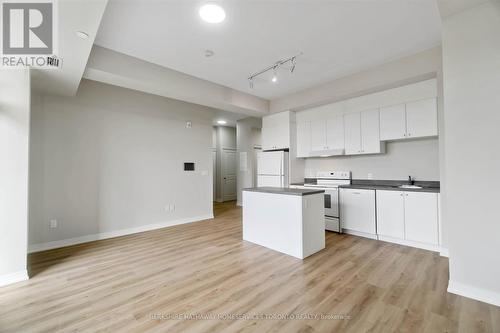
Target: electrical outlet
370, 176
53, 224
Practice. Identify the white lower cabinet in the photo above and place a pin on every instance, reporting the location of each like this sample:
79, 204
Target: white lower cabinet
357, 211
409, 218
421, 217
391, 214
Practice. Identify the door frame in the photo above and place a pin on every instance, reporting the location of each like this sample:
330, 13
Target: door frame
215, 174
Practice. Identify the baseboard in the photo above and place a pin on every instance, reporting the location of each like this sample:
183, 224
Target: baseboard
429, 247
111, 234
444, 252
13, 277
359, 233
478, 294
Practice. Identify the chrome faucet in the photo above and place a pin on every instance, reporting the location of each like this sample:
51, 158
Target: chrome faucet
411, 181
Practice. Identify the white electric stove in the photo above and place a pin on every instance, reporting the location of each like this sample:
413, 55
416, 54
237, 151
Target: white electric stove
329, 181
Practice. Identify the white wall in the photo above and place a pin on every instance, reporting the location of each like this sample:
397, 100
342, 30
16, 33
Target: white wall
14, 152
418, 158
111, 159
471, 69
248, 137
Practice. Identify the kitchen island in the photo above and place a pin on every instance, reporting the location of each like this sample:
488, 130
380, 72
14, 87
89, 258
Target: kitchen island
287, 220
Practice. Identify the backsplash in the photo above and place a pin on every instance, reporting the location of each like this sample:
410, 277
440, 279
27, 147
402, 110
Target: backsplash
418, 158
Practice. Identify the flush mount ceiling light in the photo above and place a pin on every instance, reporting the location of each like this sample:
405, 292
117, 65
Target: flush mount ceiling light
82, 34
209, 53
221, 122
288, 64
212, 13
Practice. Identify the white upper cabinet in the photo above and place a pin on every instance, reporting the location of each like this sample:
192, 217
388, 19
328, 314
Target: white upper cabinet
327, 135
276, 131
421, 118
352, 130
362, 133
340, 129
318, 135
335, 133
411, 120
370, 132
421, 217
393, 122
303, 138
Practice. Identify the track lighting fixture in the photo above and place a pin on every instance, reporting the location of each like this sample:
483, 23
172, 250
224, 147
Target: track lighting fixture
274, 68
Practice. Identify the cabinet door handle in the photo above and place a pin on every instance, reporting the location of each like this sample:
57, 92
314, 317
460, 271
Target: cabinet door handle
356, 193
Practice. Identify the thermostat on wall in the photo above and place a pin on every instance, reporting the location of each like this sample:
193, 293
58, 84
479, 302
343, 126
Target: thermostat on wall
188, 166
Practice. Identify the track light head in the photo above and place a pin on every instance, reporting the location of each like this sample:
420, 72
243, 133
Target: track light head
274, 79
293, 65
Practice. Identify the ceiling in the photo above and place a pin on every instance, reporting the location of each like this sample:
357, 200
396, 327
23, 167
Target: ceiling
337, 37
72, 16
230, 117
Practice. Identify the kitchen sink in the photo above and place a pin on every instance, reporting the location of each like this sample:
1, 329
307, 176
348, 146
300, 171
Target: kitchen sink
410, 186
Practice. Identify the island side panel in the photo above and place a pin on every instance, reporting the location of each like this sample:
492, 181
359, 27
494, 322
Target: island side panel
313, 224
273, 221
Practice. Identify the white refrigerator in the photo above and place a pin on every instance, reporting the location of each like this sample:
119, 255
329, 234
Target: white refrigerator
272, 169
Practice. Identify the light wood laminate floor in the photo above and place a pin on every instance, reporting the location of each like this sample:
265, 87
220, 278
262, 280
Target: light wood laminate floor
140, 282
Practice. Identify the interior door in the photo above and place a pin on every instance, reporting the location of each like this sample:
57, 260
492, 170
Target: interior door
229, 169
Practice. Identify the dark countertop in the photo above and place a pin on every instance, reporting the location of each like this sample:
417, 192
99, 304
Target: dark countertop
391, 188
386, 185
284, 190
